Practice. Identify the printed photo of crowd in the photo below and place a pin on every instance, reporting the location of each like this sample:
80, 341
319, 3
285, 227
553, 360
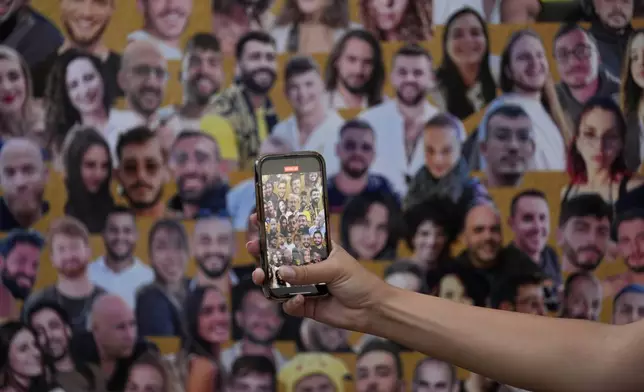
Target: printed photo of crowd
488, 152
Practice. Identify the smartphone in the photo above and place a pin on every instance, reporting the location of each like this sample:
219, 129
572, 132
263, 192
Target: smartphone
292, 211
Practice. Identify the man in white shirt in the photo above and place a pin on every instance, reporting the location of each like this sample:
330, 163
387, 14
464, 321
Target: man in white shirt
355, 71
313, 125
398, 123
143, 78
164, 22
119, 272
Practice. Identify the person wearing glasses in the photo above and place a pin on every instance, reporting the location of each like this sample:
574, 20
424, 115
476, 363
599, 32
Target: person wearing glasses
582, 76
143, 77
141, 172
356, 152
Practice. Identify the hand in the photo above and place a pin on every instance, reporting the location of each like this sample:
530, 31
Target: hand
355, 291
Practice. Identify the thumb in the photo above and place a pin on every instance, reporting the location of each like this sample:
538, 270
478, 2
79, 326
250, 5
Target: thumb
309, 274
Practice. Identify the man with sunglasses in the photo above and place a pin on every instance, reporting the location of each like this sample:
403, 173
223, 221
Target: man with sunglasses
356, 152
142, 172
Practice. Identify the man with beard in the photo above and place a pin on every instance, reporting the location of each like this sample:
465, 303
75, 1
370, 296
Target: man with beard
582, 76
356, 152
628, 305
484, 254
241, 198
213, 247
202, 76
54, 334
355, 72
119, 271
398, 124
27, 31
246, 104
84, 22
20, 258
195, 162
584, 232
23, 177
582, 297
164, 22
143, 77
259, 321
379, 368
313, 126
141, 172
611, 27
319, 245
530, 222
506, 144
69, 253
630, 247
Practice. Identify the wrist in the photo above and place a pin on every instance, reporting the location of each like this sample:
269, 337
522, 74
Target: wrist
380, 311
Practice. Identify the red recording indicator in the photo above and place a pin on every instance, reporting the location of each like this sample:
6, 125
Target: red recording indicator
291, 169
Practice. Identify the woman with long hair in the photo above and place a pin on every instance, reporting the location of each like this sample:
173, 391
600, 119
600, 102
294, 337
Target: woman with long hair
398, 20
632, 100
76, 94
207, 327
21, 115
467, 76
596, 161
310, 26
88, 175
22, 362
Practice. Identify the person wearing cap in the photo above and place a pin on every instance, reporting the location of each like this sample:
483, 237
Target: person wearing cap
313, 371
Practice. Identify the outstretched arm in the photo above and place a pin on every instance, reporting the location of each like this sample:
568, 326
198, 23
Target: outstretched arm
532, 352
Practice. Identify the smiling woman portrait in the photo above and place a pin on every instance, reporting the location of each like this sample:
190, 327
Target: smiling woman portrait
20, 113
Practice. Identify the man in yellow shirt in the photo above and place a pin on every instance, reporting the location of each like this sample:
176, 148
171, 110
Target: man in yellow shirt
246, 105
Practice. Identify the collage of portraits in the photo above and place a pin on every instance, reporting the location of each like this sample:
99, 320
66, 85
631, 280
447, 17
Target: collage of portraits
482, 151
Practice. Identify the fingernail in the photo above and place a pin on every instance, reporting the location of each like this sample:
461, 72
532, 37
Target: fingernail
286, 272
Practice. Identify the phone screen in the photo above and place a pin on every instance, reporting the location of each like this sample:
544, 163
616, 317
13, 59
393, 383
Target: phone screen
294, 218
